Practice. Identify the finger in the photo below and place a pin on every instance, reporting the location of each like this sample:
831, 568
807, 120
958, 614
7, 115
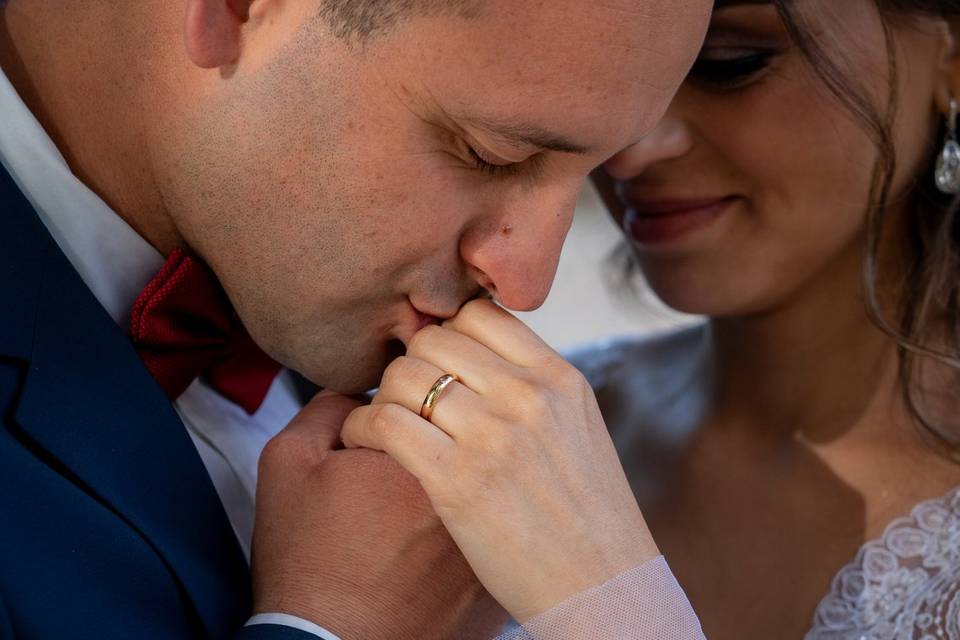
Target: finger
322, 419
502, 333
408, 381
452, 352
419, 447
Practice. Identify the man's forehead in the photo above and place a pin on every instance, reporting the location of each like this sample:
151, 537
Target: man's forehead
528, 86
628, 22
611, 45
580, 77
625, 8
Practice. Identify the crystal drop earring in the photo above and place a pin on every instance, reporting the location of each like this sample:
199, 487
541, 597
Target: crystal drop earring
948, 164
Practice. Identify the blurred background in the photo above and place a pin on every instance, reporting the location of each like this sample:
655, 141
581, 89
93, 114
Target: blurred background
585, 303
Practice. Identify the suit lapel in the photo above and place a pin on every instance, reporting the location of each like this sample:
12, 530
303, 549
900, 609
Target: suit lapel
89, 403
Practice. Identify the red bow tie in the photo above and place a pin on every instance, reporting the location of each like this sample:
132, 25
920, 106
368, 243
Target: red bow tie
183, 327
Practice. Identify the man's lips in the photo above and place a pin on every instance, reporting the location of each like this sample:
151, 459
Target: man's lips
658, 222
425, 320
414, 321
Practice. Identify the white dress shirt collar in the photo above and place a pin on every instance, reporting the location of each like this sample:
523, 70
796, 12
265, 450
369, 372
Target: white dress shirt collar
111, 258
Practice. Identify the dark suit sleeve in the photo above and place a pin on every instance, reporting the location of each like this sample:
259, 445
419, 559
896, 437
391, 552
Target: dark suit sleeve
6, 629
272, 632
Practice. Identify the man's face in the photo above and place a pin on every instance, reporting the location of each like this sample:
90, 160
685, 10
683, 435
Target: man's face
344, 194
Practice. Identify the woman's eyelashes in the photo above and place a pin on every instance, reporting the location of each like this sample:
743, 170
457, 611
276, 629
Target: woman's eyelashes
730, 68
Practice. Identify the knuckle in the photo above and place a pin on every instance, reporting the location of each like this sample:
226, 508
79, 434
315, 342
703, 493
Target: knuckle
474, 311
473, 307
384, 422
423, 338
524, 390
277, 448
568, 377
397, 372
531, 397
285, 451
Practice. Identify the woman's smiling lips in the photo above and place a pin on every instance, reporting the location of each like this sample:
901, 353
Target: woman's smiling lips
659, 222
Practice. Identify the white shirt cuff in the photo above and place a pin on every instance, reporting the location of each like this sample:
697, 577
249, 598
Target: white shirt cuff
286, 620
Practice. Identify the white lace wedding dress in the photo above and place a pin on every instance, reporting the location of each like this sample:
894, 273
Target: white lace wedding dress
904, 586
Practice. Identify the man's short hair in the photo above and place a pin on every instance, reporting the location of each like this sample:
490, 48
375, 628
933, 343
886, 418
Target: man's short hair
361, 19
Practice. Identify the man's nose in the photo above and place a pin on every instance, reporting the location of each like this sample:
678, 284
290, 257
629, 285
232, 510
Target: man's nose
671, 139
515, 258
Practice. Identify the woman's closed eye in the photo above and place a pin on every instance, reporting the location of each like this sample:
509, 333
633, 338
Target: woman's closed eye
730, 68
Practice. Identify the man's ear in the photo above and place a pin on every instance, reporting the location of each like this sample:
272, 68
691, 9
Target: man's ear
948, 80
212, 33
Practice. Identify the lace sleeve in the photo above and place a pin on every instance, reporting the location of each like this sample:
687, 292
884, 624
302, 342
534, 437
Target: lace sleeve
645, 603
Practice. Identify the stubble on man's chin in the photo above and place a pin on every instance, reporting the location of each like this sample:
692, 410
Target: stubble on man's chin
349, 371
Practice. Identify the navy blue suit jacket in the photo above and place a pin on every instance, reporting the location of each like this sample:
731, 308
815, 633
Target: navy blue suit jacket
109, 524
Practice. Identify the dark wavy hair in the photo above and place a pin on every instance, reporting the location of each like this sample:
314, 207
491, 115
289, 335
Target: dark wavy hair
926, 295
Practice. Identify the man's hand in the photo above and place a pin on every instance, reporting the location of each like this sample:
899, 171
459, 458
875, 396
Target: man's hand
349, 541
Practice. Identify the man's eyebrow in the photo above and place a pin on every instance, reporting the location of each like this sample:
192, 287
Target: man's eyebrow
523, 134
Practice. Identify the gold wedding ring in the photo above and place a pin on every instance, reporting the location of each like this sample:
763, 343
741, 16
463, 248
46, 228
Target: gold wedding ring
435, 392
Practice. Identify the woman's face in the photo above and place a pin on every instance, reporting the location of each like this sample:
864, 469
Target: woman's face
755, 186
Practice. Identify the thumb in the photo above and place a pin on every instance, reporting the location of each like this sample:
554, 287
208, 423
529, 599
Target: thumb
322, 419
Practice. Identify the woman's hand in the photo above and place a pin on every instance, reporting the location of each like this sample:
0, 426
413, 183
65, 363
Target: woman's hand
515, 459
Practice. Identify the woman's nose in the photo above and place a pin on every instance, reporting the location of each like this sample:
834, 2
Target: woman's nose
670, 139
